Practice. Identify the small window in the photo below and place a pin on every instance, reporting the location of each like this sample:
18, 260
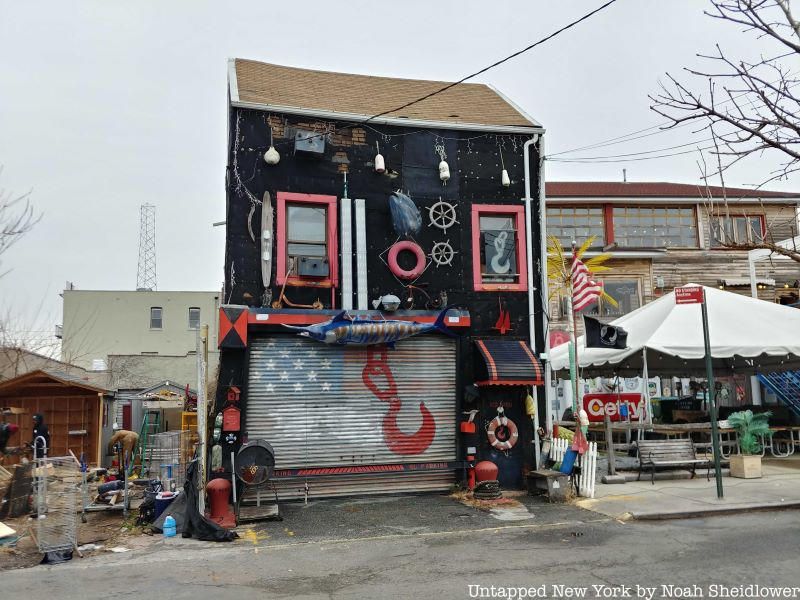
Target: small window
306, 241
498, 248
735, 230
576, 223
194, 318
156, 317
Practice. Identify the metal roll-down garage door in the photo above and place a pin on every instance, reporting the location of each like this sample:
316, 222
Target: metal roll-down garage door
336, 409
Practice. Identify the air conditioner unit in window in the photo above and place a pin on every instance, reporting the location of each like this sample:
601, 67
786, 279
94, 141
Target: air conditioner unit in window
309, 266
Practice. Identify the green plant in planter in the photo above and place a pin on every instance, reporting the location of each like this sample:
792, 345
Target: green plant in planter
749, 427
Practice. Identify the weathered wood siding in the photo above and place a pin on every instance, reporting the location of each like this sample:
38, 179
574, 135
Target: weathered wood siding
705, 266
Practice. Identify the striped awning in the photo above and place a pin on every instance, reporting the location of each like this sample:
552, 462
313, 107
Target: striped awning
508, 362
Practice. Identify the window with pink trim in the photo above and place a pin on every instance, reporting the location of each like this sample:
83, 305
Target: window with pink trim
306, 242
499, 261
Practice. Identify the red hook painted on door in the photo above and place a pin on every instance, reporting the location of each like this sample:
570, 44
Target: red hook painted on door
398, 442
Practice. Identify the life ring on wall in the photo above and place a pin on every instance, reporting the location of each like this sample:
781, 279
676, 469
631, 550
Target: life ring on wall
399, 271
507, 424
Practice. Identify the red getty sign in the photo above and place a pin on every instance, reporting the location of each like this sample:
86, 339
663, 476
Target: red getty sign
689, 295
598, 405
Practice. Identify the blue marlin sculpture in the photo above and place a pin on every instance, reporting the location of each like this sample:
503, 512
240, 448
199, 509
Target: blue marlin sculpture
343, 331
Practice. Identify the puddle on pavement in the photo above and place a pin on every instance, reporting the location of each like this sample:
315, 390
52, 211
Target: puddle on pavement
511, 513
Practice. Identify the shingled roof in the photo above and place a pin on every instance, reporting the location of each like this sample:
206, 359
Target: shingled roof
289, 89
651, 189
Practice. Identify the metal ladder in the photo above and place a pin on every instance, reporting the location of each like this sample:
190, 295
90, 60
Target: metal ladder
786, 386
151, 424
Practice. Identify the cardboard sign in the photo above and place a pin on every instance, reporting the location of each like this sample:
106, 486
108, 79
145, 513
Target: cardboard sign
689, 295
598, 405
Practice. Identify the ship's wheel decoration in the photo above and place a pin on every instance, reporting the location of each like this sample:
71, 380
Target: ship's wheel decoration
442, 254
442, 215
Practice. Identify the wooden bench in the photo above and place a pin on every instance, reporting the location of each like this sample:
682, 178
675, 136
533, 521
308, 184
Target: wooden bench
669, 453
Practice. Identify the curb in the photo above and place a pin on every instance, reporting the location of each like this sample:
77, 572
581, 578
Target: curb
712, 512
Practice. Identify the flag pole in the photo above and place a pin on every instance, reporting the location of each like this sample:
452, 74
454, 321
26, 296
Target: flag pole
573, 363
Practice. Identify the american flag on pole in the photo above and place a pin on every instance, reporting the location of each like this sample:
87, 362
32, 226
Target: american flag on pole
585, 291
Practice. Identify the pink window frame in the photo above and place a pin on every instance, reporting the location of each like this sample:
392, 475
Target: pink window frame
522, 259
329, 202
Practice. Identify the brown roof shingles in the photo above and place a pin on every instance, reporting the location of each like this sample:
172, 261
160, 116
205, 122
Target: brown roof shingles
276, 85
654, 189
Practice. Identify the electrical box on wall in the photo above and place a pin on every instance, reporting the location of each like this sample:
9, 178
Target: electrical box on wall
312, 267
309, 142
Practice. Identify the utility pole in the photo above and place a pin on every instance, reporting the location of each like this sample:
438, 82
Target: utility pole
202, 412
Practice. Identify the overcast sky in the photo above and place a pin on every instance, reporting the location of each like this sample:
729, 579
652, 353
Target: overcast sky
107, 105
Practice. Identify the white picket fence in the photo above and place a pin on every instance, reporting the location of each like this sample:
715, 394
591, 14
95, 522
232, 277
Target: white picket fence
586, 480
588, 469
558, 449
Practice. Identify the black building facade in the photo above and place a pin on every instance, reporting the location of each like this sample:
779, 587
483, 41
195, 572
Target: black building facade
313, 236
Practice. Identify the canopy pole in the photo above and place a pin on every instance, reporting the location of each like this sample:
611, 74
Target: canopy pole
646, 376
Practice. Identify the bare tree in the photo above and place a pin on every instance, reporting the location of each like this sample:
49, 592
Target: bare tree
737, 228
750, 107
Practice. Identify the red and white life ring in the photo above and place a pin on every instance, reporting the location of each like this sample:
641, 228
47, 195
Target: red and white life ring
395, 267
513, 434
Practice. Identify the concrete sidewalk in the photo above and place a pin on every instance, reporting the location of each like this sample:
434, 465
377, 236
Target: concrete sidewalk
685, 498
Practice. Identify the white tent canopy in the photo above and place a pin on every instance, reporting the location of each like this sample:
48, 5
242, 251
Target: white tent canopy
747, 336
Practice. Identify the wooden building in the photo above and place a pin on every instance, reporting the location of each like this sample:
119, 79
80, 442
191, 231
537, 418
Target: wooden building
314, 159
664, 235
75, 412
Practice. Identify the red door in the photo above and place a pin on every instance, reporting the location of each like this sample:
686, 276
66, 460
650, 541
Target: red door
126, 417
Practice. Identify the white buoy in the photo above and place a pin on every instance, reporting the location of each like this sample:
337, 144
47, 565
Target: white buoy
380, 165
271, 156
444, 171
505, 179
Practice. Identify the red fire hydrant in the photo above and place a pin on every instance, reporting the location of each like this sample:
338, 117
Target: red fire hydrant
219, 490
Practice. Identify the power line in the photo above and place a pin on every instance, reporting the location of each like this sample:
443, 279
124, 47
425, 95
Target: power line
589, 160
693, 143
495, 64
475, 74
660, 128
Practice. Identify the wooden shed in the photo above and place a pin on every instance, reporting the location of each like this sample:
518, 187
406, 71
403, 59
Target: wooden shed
73, 410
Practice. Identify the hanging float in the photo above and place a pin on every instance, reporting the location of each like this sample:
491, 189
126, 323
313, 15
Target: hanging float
502, 432
395, 267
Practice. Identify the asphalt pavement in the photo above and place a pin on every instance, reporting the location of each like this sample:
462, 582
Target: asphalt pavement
575, 549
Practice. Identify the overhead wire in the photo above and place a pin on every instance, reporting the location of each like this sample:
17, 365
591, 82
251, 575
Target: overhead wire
473, 75
653, 129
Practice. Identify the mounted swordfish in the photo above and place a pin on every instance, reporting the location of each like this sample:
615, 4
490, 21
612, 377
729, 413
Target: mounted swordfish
344, 331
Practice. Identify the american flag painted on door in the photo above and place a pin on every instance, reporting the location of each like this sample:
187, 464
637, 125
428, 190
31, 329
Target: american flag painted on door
322, 405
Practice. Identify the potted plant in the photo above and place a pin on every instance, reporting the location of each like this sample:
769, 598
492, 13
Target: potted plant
749, 428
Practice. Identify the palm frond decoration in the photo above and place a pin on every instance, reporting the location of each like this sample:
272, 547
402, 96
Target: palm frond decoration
750, 428
559, 265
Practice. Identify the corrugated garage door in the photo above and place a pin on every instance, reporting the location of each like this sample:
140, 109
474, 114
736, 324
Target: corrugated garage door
329, 406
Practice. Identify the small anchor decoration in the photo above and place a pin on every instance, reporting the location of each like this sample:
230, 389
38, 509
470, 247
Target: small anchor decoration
503, 324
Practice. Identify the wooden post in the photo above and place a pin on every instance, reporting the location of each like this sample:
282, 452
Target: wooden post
612, 467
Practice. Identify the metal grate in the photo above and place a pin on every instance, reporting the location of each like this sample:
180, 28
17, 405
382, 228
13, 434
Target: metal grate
173, 449
56, 486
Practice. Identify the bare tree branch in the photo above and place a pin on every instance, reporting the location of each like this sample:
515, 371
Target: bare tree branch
17, 217
756, 109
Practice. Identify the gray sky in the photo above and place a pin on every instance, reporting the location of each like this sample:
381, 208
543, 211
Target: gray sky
107, 105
